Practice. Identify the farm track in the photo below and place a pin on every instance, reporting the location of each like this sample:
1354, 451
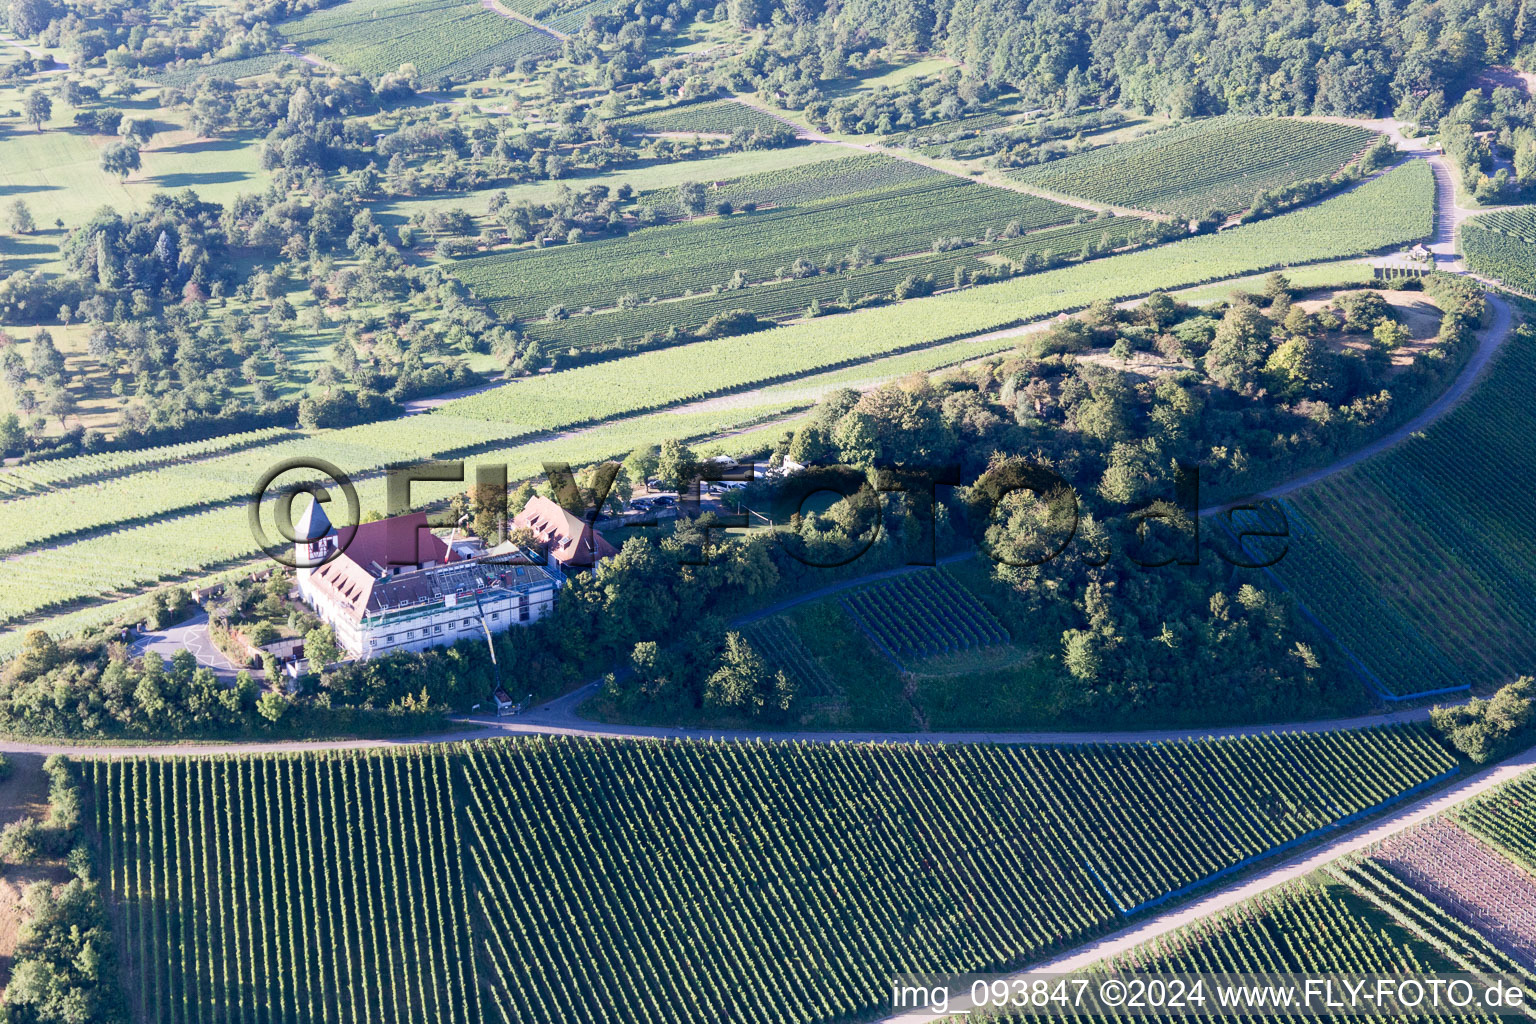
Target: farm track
896, 153
496, 7
1203, 908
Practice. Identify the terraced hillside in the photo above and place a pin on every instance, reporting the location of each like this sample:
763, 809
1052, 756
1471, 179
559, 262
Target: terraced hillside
822, 868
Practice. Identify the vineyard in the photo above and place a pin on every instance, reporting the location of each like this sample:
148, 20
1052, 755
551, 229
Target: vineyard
675, 259
1469, 948
1215, 163
1503, 246
790, 298
1387, 211
1472, 882
776, 641
706, 117
315, 888
922, 614
200, 541
1307, 929
1507, 817
240, 67
440, 37
805, 183
381, 885
51, 473
111, 564
1439, 530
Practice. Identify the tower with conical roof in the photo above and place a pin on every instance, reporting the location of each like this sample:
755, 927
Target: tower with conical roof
314, 541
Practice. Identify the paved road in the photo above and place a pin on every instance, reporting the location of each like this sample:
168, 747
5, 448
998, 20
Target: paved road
192, 635
1288, 870
1494, 336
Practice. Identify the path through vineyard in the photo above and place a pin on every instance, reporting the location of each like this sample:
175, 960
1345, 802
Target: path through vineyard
1215, 902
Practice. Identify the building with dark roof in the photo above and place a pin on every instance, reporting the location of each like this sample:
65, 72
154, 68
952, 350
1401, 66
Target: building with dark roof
393, 585
571, 541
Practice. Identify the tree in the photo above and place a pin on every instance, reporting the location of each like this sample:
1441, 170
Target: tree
30, 17
677, 465
1390, 334
1485, 730
19, 218
13, 437
640, 465
742, 681
37, 108
121, 159
320, 647
272, 705
1240, 347
691, 197
138, 130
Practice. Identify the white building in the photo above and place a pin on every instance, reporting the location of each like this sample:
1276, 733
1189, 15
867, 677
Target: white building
396, 586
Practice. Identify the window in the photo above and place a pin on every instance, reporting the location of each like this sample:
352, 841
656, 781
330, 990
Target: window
410, 634
437, 629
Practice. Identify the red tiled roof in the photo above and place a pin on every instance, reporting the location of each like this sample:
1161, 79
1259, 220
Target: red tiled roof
571, 541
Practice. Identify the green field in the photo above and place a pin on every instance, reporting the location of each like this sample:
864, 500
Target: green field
442, 38
1439, 533
57, 173
1503, 246
1212, 164
383, 885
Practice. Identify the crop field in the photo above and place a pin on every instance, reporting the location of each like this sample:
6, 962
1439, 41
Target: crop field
192, 541
1447, 509
1503, 245
706, 117
440, 37
18, 481
1389, 211
197, 541
777, 643
1507, 817
823, 868
790, 298
317, 888
1212, 164
922, 614
699, 255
